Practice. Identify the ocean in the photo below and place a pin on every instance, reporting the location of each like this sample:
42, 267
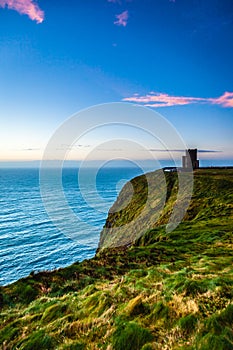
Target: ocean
30, 241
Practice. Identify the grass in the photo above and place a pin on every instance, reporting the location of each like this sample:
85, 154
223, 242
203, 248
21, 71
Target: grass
130, 335
166, 291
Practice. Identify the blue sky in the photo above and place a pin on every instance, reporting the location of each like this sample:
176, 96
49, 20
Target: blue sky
57, 58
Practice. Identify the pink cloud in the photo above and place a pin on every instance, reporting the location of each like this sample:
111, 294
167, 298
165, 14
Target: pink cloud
155, 99
226, 100
122, 19
26, 7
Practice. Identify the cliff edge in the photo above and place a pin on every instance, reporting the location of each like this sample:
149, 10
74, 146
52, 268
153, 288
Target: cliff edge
136, 211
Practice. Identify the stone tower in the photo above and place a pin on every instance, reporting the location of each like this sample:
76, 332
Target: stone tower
190, 161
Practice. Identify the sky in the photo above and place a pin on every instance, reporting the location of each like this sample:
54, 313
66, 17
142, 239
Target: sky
171, 56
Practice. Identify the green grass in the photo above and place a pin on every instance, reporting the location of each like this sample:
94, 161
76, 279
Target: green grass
167, 291
38, 340
129, 335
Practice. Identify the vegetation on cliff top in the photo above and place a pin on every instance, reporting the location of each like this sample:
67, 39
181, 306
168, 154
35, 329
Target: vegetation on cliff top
149, 208
167, 291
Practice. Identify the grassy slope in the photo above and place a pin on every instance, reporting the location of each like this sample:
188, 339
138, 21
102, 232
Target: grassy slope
167, 291
211, 199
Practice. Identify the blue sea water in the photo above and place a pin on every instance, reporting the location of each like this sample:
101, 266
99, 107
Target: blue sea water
30, 241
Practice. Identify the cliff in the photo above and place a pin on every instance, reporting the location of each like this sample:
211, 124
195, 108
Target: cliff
148, 202
168, 290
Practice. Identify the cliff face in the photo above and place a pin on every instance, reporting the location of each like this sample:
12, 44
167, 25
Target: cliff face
147, 202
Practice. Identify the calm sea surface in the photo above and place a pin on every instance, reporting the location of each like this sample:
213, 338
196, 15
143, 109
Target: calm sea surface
29, 240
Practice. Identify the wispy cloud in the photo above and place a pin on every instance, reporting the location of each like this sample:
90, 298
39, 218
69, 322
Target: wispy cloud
26, 7
226, 100
183, 150
122, 19
72, 147
157, 99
